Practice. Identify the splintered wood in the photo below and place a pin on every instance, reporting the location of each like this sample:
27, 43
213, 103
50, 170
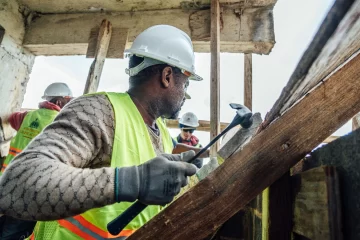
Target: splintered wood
102, 46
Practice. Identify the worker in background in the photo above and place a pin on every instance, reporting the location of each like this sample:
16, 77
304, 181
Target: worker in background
188, 124
28, 125
106, 150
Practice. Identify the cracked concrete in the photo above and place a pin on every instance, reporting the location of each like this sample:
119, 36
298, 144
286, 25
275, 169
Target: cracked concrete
16, 64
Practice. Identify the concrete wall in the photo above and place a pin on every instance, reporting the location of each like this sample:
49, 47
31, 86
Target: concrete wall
15, 65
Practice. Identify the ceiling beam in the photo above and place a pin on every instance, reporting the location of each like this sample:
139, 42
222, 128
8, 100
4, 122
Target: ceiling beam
250, 30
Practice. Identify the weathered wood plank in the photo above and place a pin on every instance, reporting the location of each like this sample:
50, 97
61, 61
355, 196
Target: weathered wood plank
96, 67
248, 80
335, 54
240, 139
44, 6
117, 43
203, 125
313, 67
344, 154
356, 122
2, 33
47, 33
317, 207
267, 157
215, 76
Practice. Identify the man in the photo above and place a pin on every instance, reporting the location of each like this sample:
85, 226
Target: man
105, 150
28, 125
188, 124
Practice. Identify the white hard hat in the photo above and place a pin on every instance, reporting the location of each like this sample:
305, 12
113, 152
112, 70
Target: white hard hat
161, 44
57, 90
189, 119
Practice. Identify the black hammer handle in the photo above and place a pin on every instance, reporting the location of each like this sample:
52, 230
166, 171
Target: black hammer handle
118, 224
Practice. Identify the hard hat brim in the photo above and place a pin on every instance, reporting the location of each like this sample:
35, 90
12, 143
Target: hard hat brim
129, 52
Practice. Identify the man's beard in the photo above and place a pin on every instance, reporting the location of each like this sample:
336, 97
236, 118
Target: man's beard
173, 115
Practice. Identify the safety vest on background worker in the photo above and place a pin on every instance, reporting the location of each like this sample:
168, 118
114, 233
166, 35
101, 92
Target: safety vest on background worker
132, 146
34, 122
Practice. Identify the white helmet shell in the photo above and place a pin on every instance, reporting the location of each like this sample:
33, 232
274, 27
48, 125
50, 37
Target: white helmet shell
57, 90
189, 119
167, 44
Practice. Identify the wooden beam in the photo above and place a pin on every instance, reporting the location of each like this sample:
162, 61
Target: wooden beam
68, 34
248, 80
215, 76
204, 125
2, 33
317, 207
356, 122
96, 67
267, 157
117, 43
239, 139
125, 6
311, 69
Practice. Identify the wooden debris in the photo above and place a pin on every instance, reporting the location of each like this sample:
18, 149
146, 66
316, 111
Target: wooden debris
96, 67
317, 208
118, 41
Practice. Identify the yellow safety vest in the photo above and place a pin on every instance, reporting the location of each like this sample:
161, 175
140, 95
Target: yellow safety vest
132, 146
33, 123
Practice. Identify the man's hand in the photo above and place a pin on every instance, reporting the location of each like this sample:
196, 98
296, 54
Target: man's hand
155, 182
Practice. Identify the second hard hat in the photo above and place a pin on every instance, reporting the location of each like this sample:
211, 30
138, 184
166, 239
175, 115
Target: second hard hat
189, 119
57, 89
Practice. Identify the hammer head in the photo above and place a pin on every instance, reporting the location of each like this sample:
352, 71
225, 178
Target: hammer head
243, 115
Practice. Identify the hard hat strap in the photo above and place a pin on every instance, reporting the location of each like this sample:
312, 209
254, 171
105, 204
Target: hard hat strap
144, 64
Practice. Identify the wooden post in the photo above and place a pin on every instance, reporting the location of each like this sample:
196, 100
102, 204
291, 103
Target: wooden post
97, 65
248, 80
215, 75
2, 33
356, 122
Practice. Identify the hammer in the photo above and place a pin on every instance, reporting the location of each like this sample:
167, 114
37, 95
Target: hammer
243, 117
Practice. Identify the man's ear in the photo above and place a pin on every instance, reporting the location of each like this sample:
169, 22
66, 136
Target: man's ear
167, 76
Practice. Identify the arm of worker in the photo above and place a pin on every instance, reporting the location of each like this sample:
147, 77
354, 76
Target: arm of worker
61, 173
15, 119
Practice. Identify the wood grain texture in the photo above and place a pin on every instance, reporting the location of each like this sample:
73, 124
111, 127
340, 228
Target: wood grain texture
47, 33
240, 139
102, 46
248, 80
204, 125
215, 76
117, 43
344, 154
317, 207
356, 122
267, 157
2, 33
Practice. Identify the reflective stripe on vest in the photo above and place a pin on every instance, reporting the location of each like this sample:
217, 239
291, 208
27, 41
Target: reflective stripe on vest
33, 123
132, 146
81, 227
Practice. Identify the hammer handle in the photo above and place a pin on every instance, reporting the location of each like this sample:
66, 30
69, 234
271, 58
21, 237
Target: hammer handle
118, 224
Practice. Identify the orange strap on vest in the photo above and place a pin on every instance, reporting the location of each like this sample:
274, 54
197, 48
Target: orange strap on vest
85, 229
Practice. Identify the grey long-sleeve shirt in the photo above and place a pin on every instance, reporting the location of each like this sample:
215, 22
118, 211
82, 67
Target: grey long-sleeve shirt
65, 170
